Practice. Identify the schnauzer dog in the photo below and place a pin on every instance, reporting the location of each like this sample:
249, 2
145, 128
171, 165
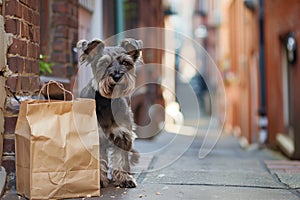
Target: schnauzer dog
114, 80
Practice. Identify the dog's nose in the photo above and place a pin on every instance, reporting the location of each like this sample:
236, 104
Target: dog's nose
117, 77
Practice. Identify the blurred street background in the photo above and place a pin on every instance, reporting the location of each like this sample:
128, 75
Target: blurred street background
218, 99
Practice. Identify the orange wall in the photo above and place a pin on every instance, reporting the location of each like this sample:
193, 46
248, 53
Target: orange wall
241, 28
281, 17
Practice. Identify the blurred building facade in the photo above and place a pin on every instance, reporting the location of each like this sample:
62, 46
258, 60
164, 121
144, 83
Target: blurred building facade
282, 38
239, 63
59, 35
123, 15
89, 19
52, 28
249, 45
230, 32
206, 31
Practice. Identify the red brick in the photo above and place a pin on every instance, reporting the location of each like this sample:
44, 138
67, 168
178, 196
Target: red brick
36, 51
12, 26
281, 162
73, 35
61, 31
35, 19
24, 1
10, 124
28, 65
36, 4
30, 50
36, 34
16, 64
25, 30
61, 7
13, 84
9, 145
25, 84
35, 67
8, 162
295, 170
18, 47
60, 20
59, 71
60, 45
29, 84
73, 23
27, 13
59, 57
34, 83
13, 8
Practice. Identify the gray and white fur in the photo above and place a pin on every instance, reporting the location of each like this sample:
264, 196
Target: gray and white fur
114, 71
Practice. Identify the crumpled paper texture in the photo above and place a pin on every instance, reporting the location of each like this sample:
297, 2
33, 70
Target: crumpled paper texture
57, 149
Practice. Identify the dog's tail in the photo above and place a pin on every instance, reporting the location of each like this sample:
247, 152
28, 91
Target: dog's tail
135, 156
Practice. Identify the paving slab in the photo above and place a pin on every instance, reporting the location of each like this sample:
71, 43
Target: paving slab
211, 177
292, 180
287, 171
194, 192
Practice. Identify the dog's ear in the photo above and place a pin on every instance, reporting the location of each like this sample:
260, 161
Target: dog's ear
89, 50
133, 47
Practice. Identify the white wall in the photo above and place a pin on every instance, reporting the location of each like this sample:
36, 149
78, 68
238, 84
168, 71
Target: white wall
90, 27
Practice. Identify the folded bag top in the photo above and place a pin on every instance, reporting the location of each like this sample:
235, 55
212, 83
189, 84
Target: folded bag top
57, 148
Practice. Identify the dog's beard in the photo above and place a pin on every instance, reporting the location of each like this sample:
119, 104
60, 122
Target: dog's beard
110, 89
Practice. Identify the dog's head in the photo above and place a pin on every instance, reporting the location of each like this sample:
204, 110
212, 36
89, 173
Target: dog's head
113, 67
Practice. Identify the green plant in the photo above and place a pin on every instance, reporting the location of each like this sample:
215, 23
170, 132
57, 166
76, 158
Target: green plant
45, 67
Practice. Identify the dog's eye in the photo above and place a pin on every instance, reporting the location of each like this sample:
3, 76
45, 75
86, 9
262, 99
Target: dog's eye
125, 63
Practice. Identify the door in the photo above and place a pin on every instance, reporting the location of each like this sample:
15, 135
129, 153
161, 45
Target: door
288, 140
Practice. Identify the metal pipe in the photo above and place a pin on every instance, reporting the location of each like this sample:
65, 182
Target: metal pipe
120, 26
263, 121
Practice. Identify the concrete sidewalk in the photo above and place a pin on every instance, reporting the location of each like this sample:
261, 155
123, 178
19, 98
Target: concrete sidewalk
228, 172
170, 169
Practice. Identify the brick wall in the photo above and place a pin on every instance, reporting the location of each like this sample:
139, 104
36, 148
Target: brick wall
22, 19
57, 43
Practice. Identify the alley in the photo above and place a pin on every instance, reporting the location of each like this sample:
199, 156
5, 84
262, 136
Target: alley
228, 172
213, 88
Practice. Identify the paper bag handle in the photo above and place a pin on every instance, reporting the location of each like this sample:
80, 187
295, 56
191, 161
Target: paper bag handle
61, 86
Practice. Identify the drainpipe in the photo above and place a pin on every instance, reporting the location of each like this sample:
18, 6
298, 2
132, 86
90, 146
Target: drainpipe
263, 120
119, 20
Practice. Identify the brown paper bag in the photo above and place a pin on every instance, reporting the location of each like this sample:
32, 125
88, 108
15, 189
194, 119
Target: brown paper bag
57, 149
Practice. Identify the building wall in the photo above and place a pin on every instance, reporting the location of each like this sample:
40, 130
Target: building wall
22, 21
59, 36
281, 18
90, 26
239, 65
139, 14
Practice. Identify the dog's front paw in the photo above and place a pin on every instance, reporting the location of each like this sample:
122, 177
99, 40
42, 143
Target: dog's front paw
123, 179
128, 184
